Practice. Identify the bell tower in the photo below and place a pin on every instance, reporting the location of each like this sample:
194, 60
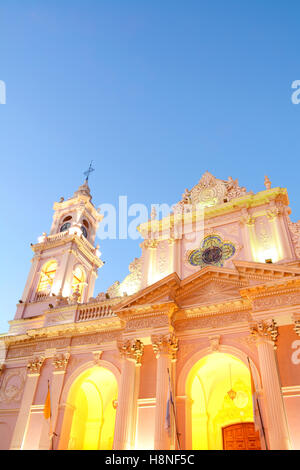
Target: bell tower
65, 262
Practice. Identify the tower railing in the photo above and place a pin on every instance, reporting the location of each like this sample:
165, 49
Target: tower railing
60, 235
94, 312
42, 295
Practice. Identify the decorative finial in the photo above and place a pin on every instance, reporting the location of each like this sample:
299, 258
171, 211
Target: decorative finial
153, 213
267, 183
89, 171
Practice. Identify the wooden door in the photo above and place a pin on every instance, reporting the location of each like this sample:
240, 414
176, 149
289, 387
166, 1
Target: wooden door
241, 436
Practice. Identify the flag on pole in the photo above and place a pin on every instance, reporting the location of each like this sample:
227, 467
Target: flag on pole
256, 413
168, 417
47, 406
258, 421
48, 415
168, 408
171, 406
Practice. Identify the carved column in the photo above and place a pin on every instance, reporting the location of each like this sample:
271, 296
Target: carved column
277, 217
60, 363
265, 334
131, 352
165, 348
174, 256
247, 222
20, 431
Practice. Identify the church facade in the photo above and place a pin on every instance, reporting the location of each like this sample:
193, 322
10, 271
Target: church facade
197, 348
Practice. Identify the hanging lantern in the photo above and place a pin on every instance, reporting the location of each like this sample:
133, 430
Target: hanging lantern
231, 393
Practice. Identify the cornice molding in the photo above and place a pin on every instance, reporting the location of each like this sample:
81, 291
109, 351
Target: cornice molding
247, 201
54, 241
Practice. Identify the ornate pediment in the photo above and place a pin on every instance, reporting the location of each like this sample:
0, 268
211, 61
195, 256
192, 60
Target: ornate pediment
212, 292
211, 191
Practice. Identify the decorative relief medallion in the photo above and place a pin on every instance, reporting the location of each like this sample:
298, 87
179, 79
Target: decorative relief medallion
213, 251
12, 385
265, 330
132, 349
165, 344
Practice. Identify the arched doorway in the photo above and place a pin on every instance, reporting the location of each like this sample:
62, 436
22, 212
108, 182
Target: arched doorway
92, 399
219, 388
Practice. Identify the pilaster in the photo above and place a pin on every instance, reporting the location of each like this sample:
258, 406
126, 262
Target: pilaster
165, 348
265, 334
48, 438
20, 430
131, 352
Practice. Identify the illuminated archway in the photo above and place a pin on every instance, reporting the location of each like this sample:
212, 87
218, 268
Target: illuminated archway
47, 276
92, 398
78, 281
208, 383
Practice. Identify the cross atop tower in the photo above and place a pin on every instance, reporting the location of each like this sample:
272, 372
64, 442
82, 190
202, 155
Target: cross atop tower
89, 171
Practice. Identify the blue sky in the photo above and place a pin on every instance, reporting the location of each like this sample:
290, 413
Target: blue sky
155, 93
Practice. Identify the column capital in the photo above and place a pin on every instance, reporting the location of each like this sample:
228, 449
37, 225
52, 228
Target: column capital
131, 349
273, 213
246, 218
165, 344
264, 331
60, 362
34, 366
297, 327
296, 319
149, 243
